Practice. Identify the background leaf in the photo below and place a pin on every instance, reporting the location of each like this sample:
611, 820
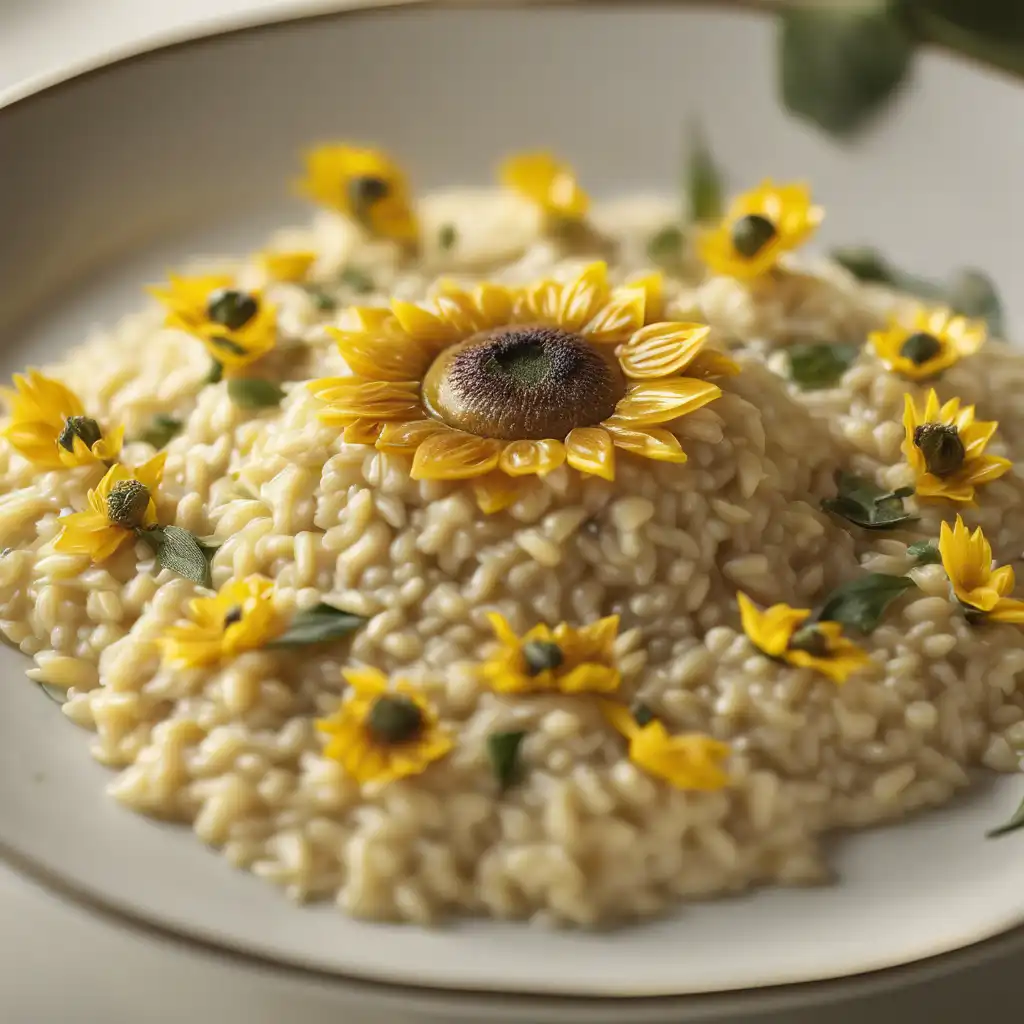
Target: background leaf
503, 752
254, 392
841, 61
358, 280
665, 247
924, 552
161, 430
861, 603
972, 293
860, 502
814, 367
319, 624
703, 178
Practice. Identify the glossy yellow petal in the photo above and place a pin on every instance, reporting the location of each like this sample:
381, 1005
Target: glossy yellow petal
651, 403
1008, 610
382, 359
362, 432
689, 762
653, 286
366, 681
425, 326
589, 678
582, 299
771, 630
844, 659
648, 442
711, 363
496, 492
523, 458
454, 455
544, 180
88, 533
662, 349
356, 398
151, 472
405, 438
590, 450
620, 718
289, 266
623, 315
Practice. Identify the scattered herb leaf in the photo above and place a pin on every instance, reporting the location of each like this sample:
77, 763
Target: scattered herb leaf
358, 280
323, 301
861, 603
317, 625
180, 551
972, 293
447, 237
842, 62
814, 367
666, 246
860, 502
254, 392
503, 751
703, 178
924, 552
216, 374
161, 430
1014, 822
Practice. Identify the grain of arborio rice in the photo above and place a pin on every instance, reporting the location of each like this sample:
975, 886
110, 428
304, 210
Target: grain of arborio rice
587, 837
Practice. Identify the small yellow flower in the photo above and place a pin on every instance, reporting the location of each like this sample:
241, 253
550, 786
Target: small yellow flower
240, 618
967, 559
933, 342
691, 761
547, 182
49, 426
945, 445
559, 660
382, 733
758, 228
364, 184
779, 632
290, 266
121, 503
237, 327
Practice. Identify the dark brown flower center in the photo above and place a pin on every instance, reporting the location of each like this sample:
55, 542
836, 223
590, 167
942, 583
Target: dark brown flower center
79, 426
127, 504
811, 640
394, 719
231, 308
940, 443
541, 655
920, 347
751, 234
528, 382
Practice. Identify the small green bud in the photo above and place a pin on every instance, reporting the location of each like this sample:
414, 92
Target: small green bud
127, 504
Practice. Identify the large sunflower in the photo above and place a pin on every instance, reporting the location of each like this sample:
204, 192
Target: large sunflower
500, 383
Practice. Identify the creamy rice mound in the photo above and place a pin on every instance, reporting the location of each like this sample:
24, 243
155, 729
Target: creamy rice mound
586, 837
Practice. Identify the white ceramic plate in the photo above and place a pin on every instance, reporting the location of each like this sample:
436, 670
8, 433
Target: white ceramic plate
110, 179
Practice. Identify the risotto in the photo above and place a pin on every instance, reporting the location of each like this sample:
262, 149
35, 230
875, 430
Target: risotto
500, 554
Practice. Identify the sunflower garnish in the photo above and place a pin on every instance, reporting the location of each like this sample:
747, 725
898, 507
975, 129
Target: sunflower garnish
496, 384
549, 184
932, 342
559, 660
981, 590
382, 733
49, 426
291, 266
365, 185
758, 228
784, 633
945, 446
237, 327
691, 761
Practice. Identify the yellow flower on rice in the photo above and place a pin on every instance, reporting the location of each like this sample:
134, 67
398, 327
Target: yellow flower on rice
237, 327
783, 633
691, 761
559, 660
932, 342
758, 228
364, 184
121, 504
494, 384
981, 589
241, 617
382, 733
548, 183
290, 266
945, 446
49, 426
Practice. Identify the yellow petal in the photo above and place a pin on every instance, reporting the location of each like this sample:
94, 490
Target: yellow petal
366, 681
356, 398
1008, 610
662, 349
617, 320
362, 432
650, 442
544, 180
590, 450
582, 299
619, 718
423, 326
496, 492
522, 458
653, 287
454, 455
405, 438
392, 359
647, 404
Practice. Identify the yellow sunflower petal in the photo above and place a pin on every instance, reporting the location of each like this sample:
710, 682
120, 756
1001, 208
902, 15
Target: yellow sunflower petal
357, 398
619, 717
362, 432
650, 442
523, 458
623, 315
1008, 610
581, 300
405, 438
546, 181
389, 359
422, 325
590, 450
454, 455
496, 492
650, 403
662, 349
366, 681
653, 287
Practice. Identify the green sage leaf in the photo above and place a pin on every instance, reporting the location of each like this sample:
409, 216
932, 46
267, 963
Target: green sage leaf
447, 236
841, 62
989, 31
216, 373
666, 246
161, 430
972, 293
703, 179
814, 367
317, 625
254, 392
861, 603
323, 301
180, 551
924, 552
358, 280
503, 752
860, 502
1014, 822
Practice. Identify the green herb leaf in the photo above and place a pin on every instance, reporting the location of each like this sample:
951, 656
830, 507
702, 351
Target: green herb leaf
861, 603
254, 392
703, 178
180, 551
862, 503
216, 374
503, 751
1015, 821
870, 266
666, 246
161, 430
990, 31
924, 552
358, 280
317, 625
972, 293
842, 61
447, 237
321, 299
820, 366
